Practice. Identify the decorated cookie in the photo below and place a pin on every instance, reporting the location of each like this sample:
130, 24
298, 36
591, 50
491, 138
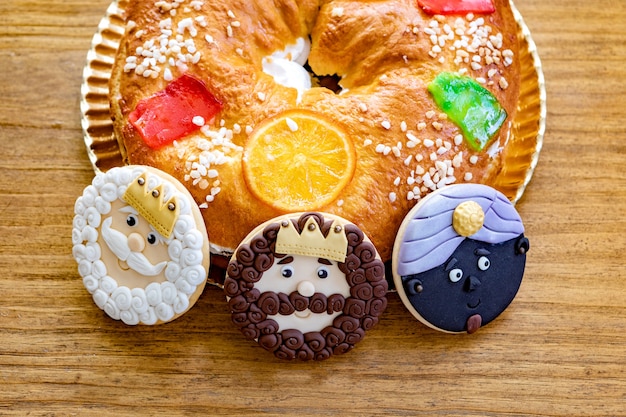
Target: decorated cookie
459, 257
306, 286
141, 245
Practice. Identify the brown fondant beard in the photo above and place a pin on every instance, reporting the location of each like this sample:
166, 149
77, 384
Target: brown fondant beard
251, 311
359, 312
280, 303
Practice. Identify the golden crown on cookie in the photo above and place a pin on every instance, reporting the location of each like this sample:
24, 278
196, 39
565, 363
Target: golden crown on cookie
161, 215
311, 242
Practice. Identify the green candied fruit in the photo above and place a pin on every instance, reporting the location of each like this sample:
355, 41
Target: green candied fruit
470, 106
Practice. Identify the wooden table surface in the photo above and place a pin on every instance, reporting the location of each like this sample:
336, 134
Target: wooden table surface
559, 349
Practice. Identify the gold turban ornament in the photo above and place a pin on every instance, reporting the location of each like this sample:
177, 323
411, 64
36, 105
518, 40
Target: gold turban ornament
468, 218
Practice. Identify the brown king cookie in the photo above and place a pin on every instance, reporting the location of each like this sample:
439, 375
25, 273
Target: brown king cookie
306, 286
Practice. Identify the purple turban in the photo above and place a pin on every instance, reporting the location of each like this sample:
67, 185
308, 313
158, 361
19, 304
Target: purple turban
428, 238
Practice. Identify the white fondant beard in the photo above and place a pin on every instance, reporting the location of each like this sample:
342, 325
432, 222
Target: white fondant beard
123, 294
118, 244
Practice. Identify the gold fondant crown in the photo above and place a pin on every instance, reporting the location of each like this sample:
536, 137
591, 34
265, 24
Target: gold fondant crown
311, 242
162, 215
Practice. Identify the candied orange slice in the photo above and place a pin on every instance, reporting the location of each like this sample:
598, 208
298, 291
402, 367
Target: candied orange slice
298, 160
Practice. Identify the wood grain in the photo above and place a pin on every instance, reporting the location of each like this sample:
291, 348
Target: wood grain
559, 350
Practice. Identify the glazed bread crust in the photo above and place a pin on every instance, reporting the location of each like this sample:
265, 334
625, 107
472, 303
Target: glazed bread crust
385, 54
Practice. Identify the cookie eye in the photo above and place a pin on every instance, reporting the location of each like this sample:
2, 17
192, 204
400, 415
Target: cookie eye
455, 275
132, 220
322, 272
484, 263
152, 238
286, 271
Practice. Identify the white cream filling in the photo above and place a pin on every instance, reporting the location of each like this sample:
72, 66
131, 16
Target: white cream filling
287, 66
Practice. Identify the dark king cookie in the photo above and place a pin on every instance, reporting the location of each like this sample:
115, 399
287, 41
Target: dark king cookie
459, 257
306, 286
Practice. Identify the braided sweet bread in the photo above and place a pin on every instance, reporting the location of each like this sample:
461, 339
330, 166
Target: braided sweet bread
413, 95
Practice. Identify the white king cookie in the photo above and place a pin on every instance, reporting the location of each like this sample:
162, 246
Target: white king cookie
141, 245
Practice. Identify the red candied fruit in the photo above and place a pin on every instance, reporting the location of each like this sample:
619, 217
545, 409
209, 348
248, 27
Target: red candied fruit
459, 7
169, 114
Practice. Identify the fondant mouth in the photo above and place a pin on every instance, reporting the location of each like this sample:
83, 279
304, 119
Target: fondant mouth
474, 304
303, 314
123, 265
473, 323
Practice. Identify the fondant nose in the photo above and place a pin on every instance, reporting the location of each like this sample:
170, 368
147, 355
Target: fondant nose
471, 283
136, 242
306, 288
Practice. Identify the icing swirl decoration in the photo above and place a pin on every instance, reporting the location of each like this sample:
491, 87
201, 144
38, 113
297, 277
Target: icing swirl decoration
140, 244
